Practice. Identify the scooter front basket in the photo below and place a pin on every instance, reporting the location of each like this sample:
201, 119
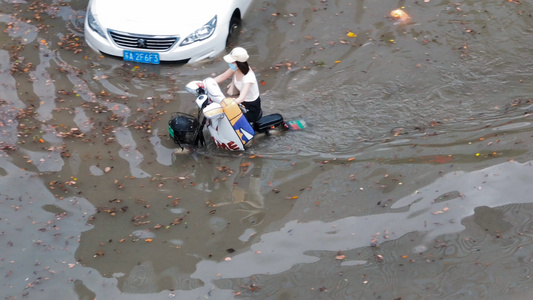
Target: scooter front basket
184, 129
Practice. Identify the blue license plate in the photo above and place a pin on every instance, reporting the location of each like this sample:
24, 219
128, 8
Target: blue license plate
141, 57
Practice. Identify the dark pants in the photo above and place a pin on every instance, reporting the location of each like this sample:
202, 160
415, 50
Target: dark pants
254, 110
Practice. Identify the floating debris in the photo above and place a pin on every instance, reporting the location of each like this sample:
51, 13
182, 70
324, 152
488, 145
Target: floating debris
399, 14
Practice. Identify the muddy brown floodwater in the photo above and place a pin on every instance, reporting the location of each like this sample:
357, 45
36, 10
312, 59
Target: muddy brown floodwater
413, 180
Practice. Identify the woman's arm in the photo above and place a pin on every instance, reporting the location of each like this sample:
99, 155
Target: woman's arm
244, 92
220, 78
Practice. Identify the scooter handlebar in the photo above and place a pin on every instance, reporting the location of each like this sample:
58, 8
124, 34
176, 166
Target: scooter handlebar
195, 87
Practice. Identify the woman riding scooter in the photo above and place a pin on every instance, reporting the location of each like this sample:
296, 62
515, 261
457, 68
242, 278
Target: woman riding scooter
228, 126
243, 82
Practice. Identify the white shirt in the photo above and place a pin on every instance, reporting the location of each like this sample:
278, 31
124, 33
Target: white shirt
253, 93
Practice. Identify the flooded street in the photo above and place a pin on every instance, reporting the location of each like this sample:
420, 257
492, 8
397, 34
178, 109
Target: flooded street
412, 181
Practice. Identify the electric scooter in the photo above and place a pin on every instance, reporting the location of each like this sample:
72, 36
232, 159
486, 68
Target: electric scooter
224, 119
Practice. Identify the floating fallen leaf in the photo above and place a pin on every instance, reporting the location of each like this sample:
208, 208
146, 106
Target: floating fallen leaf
351, 34
340, 257
148, 240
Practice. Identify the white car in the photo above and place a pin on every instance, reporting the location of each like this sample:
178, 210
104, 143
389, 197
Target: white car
151, 31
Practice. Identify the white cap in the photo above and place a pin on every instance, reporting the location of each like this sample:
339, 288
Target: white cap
237, 54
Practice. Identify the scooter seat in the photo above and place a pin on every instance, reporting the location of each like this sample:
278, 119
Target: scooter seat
268, 122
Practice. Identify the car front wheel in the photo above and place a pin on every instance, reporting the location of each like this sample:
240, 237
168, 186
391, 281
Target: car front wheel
234, 25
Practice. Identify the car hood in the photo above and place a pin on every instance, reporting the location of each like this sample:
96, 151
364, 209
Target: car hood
156, 17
